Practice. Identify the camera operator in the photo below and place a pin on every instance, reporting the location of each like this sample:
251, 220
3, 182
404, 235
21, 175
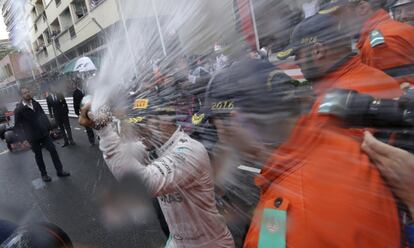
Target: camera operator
324, 53
315, 181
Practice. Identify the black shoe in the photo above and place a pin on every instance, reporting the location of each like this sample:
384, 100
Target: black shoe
65, 145
63, 174
46, 178
92, 144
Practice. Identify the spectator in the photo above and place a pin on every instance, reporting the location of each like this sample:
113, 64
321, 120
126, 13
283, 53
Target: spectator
181, 177
59, 110
312, 178
403, 11
77, 102
385, 44
275, 25
30, 118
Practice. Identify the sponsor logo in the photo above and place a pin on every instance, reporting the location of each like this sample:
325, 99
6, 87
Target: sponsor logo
197, 119
166, 166
135, 120
272, 225
284, 54
171, 198
141, 104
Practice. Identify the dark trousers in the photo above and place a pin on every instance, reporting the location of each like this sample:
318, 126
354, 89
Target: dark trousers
160, 217
64, 126
47, 143
91, 135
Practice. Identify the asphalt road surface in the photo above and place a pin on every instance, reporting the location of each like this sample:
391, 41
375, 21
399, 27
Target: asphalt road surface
71, 203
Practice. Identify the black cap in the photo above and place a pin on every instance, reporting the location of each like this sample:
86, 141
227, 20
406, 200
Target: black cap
254, 86
333, 5
142, 108
317, 28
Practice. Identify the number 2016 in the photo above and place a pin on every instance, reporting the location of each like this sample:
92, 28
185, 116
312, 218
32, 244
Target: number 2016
223, 105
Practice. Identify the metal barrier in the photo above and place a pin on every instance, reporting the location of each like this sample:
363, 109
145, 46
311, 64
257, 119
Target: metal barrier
43, 103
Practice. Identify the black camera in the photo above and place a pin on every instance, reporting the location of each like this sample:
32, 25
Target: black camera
386, 115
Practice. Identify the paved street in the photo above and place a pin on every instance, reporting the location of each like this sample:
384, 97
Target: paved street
70, 202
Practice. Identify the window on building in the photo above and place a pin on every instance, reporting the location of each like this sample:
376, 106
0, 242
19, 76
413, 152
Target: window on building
41, 43
44, 16
55, 28
95, 3
33, 13
72, 32
35, 46
79, 9
57, 2
39, 6
65, 19
47, 37
9, 71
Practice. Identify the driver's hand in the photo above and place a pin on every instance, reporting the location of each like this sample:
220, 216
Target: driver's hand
84, 119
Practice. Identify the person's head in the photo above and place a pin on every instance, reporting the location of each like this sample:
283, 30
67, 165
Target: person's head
26, 94
352, 14
318, 43
252, 106
275, 23
403, 11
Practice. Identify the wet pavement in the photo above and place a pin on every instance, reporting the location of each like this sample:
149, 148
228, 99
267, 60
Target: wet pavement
70, 202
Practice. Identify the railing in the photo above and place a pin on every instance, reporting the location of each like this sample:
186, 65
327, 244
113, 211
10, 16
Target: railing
43, 103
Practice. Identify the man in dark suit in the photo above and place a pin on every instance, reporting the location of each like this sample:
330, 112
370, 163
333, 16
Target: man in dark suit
77, 101
58, 109
32, 120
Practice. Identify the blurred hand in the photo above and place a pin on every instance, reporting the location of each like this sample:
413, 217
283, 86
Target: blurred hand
84, 119
395, 165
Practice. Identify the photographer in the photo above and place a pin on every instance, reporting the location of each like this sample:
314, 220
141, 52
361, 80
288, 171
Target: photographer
315, 182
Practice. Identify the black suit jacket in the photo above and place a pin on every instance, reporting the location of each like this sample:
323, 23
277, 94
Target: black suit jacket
77, 100
59, 108
49, 101
33, 122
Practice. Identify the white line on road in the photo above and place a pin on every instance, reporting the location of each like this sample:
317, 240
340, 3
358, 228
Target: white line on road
77, 128
249, 169
4, 152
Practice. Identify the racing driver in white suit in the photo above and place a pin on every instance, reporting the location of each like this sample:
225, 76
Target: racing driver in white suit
181, 178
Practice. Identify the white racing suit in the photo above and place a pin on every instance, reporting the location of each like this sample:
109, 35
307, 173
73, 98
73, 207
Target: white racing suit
183, 182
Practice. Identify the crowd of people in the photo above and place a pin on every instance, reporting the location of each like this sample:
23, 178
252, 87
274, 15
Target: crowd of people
335, 152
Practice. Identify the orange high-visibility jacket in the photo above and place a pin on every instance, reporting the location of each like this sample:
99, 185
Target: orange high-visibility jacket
332, 194
388, 45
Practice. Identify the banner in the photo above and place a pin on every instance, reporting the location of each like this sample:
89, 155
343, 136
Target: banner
244, 21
